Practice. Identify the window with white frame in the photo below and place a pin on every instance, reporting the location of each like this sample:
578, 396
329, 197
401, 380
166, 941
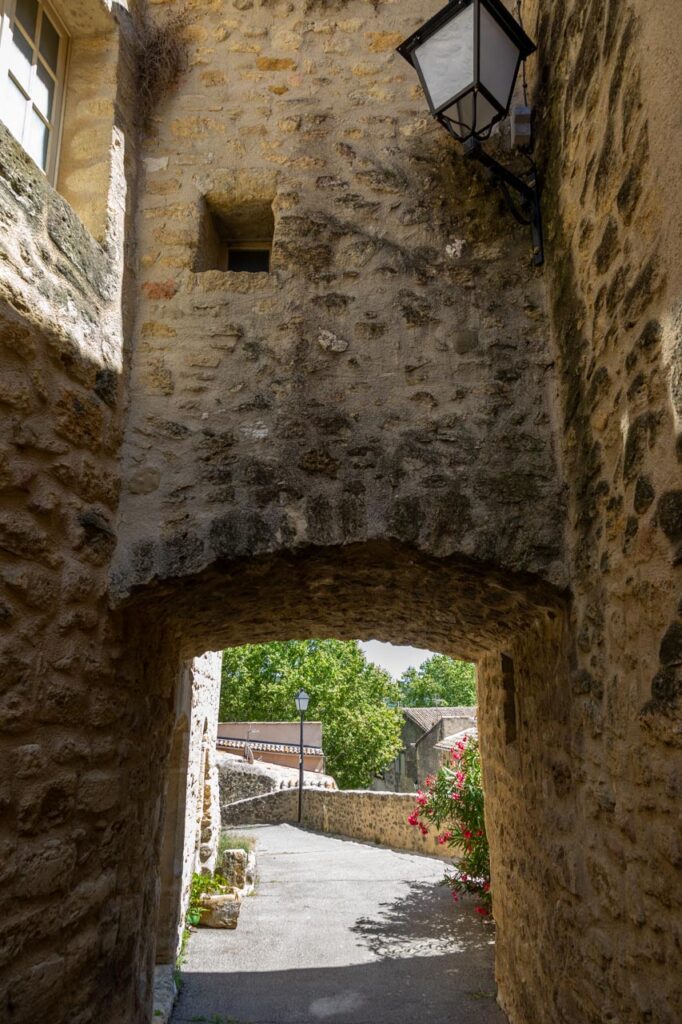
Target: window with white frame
33, 45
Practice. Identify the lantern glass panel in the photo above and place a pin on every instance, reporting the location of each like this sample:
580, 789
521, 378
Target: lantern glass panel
461, 114
446, 59
499, 58
302, 701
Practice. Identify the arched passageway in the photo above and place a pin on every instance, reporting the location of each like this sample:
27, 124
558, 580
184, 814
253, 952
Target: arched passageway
512, 626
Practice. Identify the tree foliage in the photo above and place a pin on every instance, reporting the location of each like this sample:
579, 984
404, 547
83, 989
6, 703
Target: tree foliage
352, 698
439, 682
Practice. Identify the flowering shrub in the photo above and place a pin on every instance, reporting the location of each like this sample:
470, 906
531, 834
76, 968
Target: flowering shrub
452, 800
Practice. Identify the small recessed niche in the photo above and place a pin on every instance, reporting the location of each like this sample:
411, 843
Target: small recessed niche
235, 236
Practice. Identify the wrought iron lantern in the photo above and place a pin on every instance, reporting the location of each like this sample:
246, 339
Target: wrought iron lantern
468, 58
302, 700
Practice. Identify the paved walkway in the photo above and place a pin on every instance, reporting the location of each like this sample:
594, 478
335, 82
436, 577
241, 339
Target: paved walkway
346, 933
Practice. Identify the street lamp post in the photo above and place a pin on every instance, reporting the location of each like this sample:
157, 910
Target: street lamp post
302, 700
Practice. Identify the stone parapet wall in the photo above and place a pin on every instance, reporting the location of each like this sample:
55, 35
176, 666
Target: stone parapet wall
239, 780
356, 814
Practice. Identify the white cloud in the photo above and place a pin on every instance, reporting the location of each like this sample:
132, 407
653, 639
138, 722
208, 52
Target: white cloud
394, 659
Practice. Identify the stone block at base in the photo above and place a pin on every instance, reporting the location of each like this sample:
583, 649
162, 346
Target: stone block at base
220, 911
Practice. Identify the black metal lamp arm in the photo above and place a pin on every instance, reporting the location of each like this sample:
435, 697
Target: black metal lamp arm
530, 194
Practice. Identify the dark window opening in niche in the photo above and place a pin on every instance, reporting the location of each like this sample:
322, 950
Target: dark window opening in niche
509, 695
235, 236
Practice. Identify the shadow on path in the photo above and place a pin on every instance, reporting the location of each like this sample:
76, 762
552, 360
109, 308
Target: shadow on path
424, 922
418, 990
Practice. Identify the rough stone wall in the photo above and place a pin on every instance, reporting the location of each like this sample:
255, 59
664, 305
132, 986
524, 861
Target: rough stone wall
356, 814
192, 803
73, 736
82, 748
389, 377
598, 746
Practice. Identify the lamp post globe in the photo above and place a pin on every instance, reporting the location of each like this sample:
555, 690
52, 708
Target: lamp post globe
467, 57
302, 700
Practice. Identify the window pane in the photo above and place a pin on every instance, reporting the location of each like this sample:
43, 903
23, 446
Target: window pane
37, 139
13, 108
43, 91
20, 57
49, 43
27, 14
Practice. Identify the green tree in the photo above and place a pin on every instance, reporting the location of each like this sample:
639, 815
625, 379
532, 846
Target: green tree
439, 682
354, 700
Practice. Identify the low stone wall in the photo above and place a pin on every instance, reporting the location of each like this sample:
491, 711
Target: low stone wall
357, 814
240, 780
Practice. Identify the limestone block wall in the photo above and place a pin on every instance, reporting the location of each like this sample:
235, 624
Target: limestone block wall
597, 748
71, 744
192, 804
357, 814
82, 747
202, 781
389, 378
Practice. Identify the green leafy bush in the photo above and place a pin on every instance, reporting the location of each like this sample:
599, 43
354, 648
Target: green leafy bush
201, 886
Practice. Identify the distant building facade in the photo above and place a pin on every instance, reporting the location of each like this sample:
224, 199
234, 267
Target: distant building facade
423, 730
274, 743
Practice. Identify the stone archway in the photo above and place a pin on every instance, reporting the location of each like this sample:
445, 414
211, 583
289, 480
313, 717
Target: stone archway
506, 623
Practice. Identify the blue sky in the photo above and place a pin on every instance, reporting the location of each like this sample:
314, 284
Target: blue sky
394, 659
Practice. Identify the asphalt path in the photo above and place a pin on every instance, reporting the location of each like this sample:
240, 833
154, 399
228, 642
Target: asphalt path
346, 933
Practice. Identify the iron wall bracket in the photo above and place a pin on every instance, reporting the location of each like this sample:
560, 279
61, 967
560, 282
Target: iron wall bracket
529, 191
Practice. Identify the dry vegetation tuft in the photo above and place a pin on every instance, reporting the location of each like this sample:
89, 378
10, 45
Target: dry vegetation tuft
162, 57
